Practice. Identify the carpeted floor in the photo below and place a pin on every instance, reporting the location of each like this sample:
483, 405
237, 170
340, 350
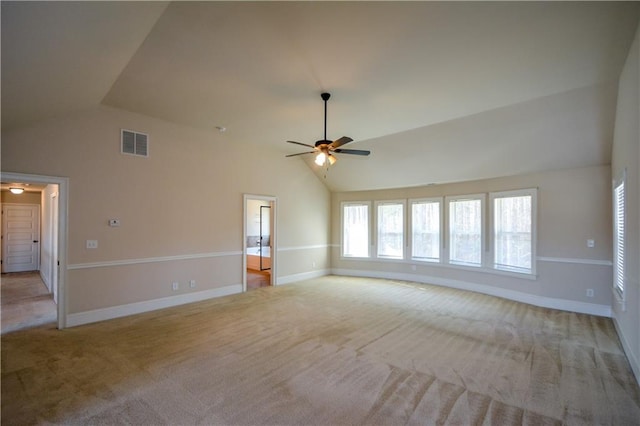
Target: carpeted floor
328, 351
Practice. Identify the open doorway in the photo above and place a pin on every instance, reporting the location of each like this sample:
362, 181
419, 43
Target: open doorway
38, 260
259, 242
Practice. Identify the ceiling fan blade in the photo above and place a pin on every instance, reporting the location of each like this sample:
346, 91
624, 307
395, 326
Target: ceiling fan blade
303, 144
352, 151
301, 153
339, 142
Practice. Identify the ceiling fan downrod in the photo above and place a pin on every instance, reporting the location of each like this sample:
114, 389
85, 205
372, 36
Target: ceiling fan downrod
325, 97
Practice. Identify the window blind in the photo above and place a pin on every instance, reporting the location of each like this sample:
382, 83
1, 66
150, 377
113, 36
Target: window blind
618, 231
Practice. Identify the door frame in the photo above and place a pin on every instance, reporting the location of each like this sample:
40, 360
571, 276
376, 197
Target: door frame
63, 207
55, 268
270, 242
273, 201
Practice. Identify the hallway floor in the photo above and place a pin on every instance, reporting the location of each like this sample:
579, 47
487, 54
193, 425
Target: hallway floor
257, 279
25, 302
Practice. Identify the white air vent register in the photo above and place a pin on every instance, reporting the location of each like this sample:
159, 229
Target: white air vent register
134, 143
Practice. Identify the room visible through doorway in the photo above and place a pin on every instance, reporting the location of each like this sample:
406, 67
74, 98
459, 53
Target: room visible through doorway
259, 241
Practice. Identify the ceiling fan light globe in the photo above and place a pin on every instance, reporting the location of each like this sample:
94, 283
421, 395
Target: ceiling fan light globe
320, 159
332, 159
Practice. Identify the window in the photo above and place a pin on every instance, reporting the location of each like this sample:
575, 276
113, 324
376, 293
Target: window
514, 230
355, 229
425, 229
390, 241
465, 230
458, 231
618, 238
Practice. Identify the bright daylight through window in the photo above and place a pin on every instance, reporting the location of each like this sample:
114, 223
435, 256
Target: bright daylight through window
618, 238
493, 232
355, 230
425, 230
391, 230
465, 231
513, 232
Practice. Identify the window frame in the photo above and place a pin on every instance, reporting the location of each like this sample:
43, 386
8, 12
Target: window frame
619, 264
487, 230
375, 224
344, 204
447, 226
533, 193
441, 228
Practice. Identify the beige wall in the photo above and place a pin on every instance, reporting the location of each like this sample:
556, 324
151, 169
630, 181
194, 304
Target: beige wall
626, 156
181, 209
573, 206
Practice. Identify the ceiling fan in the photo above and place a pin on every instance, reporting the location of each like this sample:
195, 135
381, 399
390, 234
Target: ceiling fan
325, 148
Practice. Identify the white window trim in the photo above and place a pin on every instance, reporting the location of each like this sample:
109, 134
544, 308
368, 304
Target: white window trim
411, 202
374, 227
343, 204
533, 192
486, 230
619, 294
483, 228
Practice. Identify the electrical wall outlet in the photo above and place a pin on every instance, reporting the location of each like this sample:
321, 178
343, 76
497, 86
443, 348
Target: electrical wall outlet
591, 243
589, 292
192, 283
175, 286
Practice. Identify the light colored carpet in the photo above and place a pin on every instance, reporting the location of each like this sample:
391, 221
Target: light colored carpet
26, 302
328, 351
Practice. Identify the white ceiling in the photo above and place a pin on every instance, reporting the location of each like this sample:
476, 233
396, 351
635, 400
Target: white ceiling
439, 91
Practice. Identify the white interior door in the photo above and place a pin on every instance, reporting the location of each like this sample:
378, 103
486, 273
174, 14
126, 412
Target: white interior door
20, 237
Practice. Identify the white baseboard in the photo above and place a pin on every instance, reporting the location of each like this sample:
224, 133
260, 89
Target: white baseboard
633, 361
544, 302
302, 276
103, 314
45, 279
87, 317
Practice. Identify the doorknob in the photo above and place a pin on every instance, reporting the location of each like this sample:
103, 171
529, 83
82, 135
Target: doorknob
35, 241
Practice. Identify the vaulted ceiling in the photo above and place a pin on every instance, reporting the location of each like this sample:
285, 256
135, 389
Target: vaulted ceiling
438, 91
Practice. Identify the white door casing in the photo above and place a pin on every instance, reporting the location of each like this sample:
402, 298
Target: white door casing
63, 235
55, 268
273, 240
20, 237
